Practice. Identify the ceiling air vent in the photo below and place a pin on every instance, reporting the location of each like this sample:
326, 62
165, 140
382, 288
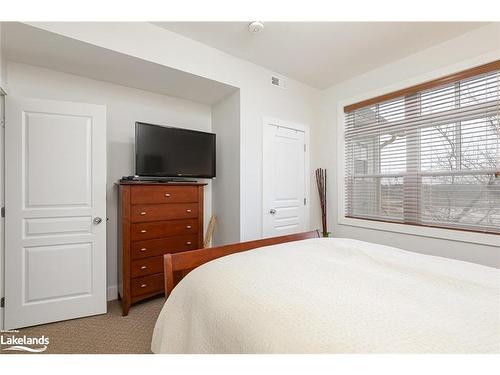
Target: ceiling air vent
280, 82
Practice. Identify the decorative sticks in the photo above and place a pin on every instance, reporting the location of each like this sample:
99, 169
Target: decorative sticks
210, 232
321, 183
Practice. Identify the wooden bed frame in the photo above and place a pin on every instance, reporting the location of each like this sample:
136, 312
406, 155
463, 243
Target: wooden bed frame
188, 260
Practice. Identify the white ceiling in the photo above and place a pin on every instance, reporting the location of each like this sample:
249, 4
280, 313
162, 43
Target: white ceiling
29, 45
321, 54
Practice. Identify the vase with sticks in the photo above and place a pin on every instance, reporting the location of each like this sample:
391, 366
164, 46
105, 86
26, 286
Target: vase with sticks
321, 182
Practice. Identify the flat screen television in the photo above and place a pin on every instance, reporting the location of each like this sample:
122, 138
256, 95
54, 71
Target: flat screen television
163, 151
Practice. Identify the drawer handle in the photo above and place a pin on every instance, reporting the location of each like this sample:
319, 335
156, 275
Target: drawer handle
144, 285
188, 243
143, 231
167, 195
143, 267
188, 226
143, 213
143, 249
188, 210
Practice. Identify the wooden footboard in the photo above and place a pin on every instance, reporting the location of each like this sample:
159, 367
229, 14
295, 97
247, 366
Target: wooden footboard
188, 260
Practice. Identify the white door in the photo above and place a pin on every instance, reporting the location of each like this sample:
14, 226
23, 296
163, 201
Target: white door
2, 262
284, 181
55, 223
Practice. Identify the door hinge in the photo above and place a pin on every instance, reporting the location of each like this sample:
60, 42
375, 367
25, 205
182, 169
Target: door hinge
2, 302
2, 121
3, 211
304, 201
304, 147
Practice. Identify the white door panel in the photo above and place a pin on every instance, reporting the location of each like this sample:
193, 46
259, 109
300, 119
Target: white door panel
63, 141
44, 279
55, 258
284, 182
54, 226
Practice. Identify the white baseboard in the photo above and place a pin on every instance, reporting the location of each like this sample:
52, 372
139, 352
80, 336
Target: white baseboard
112, 293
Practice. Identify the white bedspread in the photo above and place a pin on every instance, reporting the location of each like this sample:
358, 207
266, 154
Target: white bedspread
332, 296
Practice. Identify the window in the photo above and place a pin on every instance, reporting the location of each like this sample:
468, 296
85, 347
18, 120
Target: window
428, 155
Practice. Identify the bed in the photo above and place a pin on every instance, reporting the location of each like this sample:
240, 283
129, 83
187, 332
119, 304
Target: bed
327, 295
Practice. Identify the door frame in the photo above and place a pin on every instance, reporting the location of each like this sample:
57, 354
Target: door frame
3, 94
268, 120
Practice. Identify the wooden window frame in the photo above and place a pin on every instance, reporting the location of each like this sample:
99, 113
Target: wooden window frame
464, 74
467, 235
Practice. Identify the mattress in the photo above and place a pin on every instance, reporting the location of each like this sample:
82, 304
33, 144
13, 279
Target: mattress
332, 295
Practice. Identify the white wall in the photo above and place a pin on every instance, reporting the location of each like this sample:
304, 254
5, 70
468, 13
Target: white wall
257, 96
124, 107
471, 49
226, 187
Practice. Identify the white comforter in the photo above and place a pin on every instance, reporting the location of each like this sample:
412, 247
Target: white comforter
332, 296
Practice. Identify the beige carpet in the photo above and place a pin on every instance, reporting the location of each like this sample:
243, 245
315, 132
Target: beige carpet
108, 333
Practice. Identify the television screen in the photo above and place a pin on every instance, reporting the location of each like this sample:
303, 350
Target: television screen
162, 151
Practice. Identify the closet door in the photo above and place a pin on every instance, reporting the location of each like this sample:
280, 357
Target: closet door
55, 224
283, 181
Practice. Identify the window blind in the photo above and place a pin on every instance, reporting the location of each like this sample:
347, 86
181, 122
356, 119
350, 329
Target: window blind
429, 156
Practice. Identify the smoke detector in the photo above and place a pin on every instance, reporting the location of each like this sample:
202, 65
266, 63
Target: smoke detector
255, 27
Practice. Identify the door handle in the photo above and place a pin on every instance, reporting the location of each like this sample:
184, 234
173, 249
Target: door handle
97, 220
272, 211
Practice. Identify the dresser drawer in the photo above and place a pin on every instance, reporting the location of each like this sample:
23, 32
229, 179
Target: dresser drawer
146, 284
163, 194
149, 248
159, 229
146, 266
155, 212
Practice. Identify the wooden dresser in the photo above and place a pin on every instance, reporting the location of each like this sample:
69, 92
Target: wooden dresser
154, 219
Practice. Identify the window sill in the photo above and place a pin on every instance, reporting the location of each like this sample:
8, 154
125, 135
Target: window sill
447, 234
